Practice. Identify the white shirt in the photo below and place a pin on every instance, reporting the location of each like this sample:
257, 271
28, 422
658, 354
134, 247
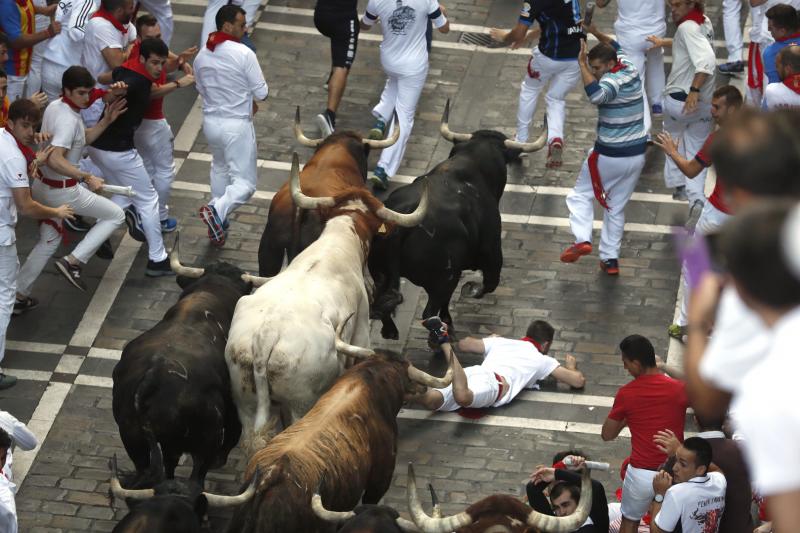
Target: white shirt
65, 49
739, 342
696, 504
8, 507
519, 362
99, 35
692, 52
778, 95
229, 79
766, 412
404, 49
642, 17
66, 127
13, 175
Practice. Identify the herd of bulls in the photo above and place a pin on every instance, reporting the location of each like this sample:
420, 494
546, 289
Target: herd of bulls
228, 365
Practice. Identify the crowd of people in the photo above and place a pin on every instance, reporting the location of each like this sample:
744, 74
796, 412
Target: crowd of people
82, 89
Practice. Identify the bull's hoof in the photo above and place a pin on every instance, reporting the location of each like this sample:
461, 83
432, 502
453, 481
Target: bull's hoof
472, 289
389, 331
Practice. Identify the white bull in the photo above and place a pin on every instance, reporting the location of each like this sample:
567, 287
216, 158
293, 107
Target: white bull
285, 338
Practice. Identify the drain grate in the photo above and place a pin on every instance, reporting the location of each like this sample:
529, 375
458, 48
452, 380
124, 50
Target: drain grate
479, 39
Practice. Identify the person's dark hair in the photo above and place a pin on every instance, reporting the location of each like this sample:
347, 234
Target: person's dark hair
783, 16
5, 440
562, 486
540, 331
227, 14
77, 76
732, 95
701, 449
638, 348
760, 152
143, 21
560, 455
150, 47
111, 5
790, 57
24, 109
604, 52
752, 249
3, 73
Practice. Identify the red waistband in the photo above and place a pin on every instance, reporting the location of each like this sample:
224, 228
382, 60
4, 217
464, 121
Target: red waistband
500, 390
59, 184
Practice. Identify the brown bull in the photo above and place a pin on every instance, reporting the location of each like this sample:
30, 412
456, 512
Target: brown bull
343, 449
499, 514
339, 164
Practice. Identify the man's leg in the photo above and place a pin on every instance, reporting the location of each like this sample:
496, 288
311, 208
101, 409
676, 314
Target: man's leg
240, 159
9, 266
409, 89
155, 143
461, 391
565, 75
220, 173
343, 33
51, 79
637, 494
697, 131
162, 11
49, 238
34, 84
16, 87
655, 78
209, 19
580, 202
636, 53
620, 176
532, 85
675, 125
385, 107
109, 217
732, 26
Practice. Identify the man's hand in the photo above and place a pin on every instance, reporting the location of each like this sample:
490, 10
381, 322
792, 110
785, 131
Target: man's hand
118, 88
40, 99
65, 211
667, 442
186, 81
93, 182
704, 301
543, 473
54, 28
691, 102
498, 34
115, 109
661, 482
665, 141
41, 137
444, 10
42, 155
656, 42
570, 362
576, 462
583, 55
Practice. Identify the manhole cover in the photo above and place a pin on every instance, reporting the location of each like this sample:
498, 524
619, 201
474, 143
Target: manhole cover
479, 39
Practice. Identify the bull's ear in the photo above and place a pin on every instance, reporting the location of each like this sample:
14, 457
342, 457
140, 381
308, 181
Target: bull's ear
201, 505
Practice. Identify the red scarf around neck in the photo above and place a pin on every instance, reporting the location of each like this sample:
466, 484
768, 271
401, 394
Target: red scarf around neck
695, 15
133, 64
217, 38
530, 340
619, 66
792, 81
29, 154
105, 14
94, 95
789, 37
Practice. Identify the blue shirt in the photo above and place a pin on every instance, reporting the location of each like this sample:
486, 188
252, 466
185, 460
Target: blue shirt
771, 52
559, 21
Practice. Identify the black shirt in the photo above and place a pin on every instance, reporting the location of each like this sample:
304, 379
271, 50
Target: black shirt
118, 136
337, 7
561, 31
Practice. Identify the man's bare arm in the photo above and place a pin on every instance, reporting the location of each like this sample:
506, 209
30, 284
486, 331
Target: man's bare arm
472, 345
612, 428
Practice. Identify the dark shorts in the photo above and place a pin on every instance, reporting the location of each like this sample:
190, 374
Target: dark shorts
343, 33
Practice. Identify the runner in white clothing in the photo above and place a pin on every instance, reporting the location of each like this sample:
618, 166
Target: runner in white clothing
230, 81
250, 8
404, 58
786, 93
162, 11
508, 367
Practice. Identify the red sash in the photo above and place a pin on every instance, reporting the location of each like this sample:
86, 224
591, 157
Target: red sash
597, 182
755, 68
217, 38
102, 13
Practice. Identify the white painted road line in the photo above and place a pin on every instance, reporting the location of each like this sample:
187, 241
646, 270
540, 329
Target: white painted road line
35, 347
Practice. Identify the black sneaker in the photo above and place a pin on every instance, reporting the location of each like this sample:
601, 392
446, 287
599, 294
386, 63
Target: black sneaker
156, 269
134, 223
106, 251
324, 124
78, 224
25, 305
680, 193
71, 272
732, 67
6, 381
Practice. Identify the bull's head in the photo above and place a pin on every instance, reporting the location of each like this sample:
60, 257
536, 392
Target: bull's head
377, 518
193, 272
314, 143
454, 137
499, 514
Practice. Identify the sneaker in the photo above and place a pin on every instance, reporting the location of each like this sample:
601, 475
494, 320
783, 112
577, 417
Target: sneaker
610, 267
732, 67
156, 269
379, 179
71, 272
437, 328
134, 222
6, 381
680, 193
694, 216
24, 305
574, 252
554, 153
657, 110
168, 225
378, 130
78, 224
324, 124
216, 233
106, 251
677, 332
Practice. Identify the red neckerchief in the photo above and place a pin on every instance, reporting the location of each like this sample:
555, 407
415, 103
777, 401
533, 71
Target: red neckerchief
530, 340
70, 103
217, 38
788, 37
134, 54
94, 95
619, 66
792, 81
133, 64
29, 154
560, 465
105, 14
696, 15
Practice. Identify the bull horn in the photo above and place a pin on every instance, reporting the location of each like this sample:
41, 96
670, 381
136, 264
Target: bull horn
329, 516
119, 492
425, 523
534, 146
407, 525
301, 200
407, 220
415, 374
385, 143
444, 129
350, 349
215, 500
298, 133
175, 262
563, 524
257, 281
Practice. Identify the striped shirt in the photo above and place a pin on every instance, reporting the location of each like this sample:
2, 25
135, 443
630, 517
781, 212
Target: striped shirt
620, 120
17, 18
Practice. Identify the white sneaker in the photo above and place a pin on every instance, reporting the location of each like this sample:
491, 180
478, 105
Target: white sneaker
324, 124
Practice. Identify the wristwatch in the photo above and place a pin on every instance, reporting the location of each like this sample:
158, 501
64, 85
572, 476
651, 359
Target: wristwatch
658, 498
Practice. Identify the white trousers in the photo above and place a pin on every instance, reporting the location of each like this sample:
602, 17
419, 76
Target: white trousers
16, 87
562, 77
34, 84
155, 143
710, 221
732, 26
637, 492
127, 169
650, 64
690, 131
209, 24
162, 11
401, 94
84, 202
51, 79
9, 266
619, 176
234, 173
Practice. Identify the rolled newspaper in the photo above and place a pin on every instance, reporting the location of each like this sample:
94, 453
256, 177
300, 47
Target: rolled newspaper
591, 465
117, 189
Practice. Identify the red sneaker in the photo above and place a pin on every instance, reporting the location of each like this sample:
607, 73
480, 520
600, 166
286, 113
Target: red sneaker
554, 152
574, 252
610, 267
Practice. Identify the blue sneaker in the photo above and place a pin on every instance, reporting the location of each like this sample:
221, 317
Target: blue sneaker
657, 110
134, 223
377, 131
379, 179
732, 67
215, 231
168, 225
